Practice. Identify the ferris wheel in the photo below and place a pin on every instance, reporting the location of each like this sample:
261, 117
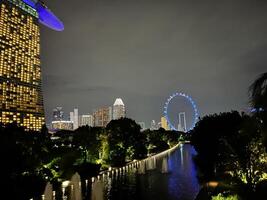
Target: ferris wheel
192, 104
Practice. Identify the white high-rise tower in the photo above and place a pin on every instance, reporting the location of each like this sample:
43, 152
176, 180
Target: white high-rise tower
118, 109
182, 122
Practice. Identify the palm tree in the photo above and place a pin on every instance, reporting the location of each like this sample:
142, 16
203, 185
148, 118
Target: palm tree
258, 92
258, 100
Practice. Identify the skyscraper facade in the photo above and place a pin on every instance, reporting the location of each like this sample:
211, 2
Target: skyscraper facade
58, 114
86, 120
102, 116
62, 125
118, 109
182, 122
153, 125
164, 123
21, 99
75, 119
142, 125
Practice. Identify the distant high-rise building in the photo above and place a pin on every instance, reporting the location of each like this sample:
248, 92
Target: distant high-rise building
182, 122
75, 119
86, 120
58, 114
62, 125
20, 69
119, 109
159, 125
164, 123
142, 125
153, 125
72, 116
102, 116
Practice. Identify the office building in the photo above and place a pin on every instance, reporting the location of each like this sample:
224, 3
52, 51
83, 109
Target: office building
182, 122
164, 123
142, 125
153, 125
119, 109
21, 99
86, 120
62, 125
74, 117
20, 67
58, 114
102, 116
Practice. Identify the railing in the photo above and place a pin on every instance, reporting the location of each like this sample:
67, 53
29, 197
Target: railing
72, 189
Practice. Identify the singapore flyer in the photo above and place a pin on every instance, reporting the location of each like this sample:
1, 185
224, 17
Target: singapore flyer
180, 112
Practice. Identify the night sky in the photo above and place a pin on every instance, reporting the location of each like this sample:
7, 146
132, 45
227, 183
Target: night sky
144, 50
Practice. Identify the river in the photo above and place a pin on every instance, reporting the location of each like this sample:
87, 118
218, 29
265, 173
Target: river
169, 177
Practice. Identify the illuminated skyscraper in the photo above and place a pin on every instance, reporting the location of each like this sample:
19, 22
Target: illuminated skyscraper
182, 122
102, 116
153, 125
58, 114
62, 125
20, 72
86, 120
118, 109
21, 99
164, 123
142, 125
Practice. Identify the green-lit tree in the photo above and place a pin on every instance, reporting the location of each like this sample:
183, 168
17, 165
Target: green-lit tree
125, 141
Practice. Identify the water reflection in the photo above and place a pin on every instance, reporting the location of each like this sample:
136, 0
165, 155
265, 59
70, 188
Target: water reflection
171, 176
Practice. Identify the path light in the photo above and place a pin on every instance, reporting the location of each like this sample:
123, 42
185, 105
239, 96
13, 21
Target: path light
54, 195
64, 185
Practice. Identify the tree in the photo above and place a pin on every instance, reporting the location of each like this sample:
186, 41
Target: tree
258, 92
208, 138
87, 140
157, 140
230, 143
23, 154
246, 152
125, 141
258, 100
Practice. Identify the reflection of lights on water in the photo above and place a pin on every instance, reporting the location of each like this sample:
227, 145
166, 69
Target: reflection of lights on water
182, 155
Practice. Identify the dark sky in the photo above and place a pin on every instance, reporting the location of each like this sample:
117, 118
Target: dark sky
144, 50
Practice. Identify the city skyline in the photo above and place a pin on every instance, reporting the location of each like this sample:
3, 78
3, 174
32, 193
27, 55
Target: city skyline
143, 51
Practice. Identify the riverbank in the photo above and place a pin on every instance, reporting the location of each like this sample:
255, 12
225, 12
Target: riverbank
133, 164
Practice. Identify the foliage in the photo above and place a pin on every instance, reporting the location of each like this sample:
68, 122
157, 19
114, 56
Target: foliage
32, 158
87, 140
221, 197
258, 92
230, 143
125, 141
258, 100
23, 154
207, 137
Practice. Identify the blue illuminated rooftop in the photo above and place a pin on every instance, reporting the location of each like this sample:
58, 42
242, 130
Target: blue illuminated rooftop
46, 16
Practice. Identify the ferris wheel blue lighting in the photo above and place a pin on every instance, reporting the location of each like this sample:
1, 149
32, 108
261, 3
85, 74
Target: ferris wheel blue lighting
190, 100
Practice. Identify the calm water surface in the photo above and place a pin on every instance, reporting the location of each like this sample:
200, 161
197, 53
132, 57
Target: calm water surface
170, 177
